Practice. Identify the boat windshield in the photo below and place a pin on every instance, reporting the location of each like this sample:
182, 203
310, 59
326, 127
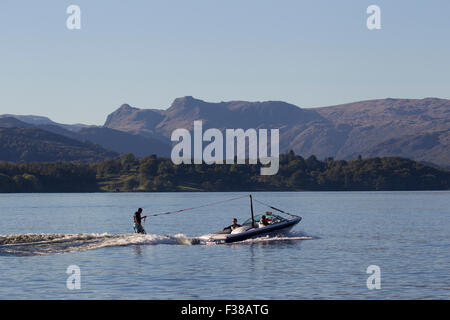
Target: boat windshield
273, 217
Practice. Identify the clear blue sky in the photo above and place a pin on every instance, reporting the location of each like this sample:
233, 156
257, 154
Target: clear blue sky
146, 53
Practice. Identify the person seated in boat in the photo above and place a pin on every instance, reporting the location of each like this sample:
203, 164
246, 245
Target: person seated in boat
138, 228
264, 221
233, 226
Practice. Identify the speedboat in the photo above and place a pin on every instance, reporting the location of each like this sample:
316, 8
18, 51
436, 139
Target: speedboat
253, 228
278, 226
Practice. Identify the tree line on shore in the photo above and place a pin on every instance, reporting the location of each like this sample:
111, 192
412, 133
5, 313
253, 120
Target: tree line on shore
130, 174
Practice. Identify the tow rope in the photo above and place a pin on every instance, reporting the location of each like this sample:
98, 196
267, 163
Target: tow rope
204, 205
279, 210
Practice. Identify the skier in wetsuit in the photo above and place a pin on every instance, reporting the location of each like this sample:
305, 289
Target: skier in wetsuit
138, 228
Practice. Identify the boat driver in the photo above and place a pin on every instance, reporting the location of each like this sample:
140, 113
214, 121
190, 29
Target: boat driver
233, 226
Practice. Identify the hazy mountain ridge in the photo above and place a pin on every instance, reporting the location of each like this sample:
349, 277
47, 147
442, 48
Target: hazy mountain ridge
421, 147
40, 120
113, 141
18, 144
11, 122
376, 122
124, 142
134, 120
372, 127
412, 128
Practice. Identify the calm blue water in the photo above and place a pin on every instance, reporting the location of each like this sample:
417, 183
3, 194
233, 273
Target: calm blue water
407, 234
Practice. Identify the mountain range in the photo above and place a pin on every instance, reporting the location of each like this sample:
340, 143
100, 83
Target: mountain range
92, 143
412, 128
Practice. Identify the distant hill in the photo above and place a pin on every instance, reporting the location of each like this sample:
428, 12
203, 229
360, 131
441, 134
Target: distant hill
409, 128
418, 129
135, 121
39, 120
421, 147
37, 145
124, 142
369, 128
115, 140
10, 122
183, 112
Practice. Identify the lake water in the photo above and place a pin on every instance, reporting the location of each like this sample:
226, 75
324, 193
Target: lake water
406, 234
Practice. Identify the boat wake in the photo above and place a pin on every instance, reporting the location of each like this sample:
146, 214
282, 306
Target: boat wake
289, 237
34, 244
44, 244
278, 238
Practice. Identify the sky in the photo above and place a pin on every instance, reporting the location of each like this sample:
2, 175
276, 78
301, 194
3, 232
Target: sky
147, 53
